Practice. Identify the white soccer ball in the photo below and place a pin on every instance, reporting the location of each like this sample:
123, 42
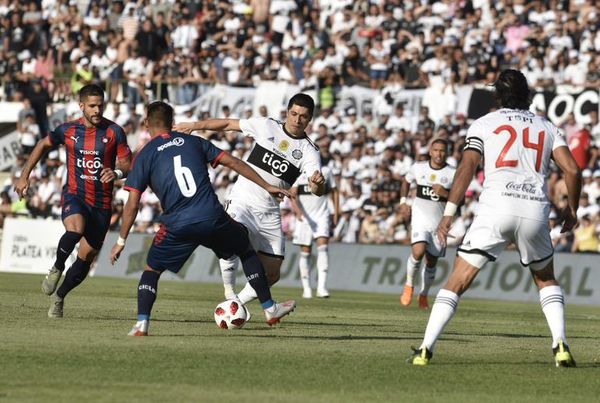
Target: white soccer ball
230, 314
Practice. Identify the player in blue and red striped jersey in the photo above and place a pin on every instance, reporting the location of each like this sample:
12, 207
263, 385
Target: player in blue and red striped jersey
97, 154
174, 165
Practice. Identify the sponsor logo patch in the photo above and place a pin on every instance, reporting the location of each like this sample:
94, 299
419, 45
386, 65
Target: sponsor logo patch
297, 154
284, 145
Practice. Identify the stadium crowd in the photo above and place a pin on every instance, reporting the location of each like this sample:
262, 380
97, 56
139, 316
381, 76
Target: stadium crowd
176, 50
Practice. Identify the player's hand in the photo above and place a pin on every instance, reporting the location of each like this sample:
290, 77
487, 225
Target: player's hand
22, 186
107, 175
438, 189
317, 178
569, 218
444, 228
185, 127
115, 253
278, 193
405, 211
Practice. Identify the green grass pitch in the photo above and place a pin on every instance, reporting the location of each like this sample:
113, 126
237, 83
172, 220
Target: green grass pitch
349, 348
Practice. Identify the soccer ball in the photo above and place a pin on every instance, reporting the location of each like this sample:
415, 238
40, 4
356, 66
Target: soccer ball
230, 314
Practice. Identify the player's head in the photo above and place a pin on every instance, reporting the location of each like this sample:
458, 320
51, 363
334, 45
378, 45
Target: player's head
91, 103
300, 111
159, 116
438, 151
512, 90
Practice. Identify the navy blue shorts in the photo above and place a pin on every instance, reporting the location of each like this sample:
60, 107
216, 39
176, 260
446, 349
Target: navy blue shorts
96, 220
173, 246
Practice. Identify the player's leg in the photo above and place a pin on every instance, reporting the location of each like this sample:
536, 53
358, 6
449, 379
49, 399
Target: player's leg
427, 278
272, 266
412, 266
322, 266
303, 238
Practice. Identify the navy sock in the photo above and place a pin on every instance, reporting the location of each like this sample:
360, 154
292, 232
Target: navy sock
255, 274
147, 293
75, 276
65, 247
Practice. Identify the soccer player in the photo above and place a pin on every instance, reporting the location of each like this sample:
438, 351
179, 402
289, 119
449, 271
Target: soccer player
434, 179
174, 165
517, 147
282, 151
312, 214
97, 154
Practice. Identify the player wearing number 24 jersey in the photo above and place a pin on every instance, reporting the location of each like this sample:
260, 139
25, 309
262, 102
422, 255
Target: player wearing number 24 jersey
517, 147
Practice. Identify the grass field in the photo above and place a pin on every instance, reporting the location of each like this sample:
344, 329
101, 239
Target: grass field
349, 348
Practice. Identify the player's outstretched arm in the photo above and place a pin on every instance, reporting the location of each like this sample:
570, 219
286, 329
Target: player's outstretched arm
316, 182
130, 211
22, 184
246, 171
565, 161
404, 207
217, 125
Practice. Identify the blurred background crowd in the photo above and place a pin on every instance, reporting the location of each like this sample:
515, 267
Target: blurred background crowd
174, 50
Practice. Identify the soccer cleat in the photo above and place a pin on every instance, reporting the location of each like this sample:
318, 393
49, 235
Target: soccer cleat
56, 307
407, 294
307, 293
279, 311
139, 329
322, 293
562, 355
420, 356
51, 281
423, 303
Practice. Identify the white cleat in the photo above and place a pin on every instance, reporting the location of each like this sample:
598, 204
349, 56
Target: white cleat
278, 311
51, 281
56, 307
139, 329
322, 293
307, 293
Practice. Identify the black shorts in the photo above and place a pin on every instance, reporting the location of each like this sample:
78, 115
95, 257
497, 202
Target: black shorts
97, 220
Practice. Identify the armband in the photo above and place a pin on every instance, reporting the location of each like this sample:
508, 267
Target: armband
118, 173
450, 209
403, 200
120, 241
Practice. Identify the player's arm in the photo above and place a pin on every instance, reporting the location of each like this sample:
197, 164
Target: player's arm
404, 207
335, 198
464, 174
440, 190
316, 183
22, 184
246, 171
130, 211
217, 125
295, 206
565, 161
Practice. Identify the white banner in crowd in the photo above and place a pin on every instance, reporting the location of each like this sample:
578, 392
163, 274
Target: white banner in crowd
29, 246
378, 268
10, 147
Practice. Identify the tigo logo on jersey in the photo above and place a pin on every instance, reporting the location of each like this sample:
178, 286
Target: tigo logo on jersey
177, 141
284, 145
91, 166
278, 167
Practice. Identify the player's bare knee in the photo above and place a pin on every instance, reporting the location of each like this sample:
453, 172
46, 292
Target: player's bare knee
543, 273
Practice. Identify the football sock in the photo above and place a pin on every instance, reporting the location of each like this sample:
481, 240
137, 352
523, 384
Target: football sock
412, 265
304, 269
66, 244
443, 310
247, 294
228, 272
553, 306
75, 276
427, 277
322, 265
257, 279
147, 294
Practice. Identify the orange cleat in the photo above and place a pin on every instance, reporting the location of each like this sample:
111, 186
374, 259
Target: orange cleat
407, 294
423, 303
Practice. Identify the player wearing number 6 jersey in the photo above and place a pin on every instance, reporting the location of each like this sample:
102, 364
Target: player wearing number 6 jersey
174, 165
517, 147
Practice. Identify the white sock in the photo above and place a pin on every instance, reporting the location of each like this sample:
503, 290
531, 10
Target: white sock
304, 269
442, 311
412, 265
228, 271
427, 277
553, 306
322, 266
247, 294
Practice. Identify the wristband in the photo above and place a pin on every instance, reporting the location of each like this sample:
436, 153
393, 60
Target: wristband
118, 173
120, 241
403, 200
450, 209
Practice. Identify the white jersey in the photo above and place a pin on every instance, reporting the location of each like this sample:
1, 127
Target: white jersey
277, 157
311, 205
517, 147
428, 207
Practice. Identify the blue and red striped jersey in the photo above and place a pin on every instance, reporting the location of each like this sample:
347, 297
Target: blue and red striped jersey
89, 150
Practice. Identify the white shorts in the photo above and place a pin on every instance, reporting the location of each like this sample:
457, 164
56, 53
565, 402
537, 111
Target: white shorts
490, 235
264, 228
309, 229
434, 247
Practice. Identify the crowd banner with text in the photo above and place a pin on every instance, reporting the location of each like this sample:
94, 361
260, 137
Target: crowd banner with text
379, 268
10, 147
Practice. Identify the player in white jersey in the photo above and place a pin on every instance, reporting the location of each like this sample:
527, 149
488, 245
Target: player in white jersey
281, 152
517, 147
312, 213
433, 179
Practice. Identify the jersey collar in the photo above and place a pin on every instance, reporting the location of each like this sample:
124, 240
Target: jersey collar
291, 135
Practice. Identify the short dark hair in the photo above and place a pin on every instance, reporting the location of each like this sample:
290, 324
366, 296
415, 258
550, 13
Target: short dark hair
90, 90
512, 90
160, 114
303, 100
